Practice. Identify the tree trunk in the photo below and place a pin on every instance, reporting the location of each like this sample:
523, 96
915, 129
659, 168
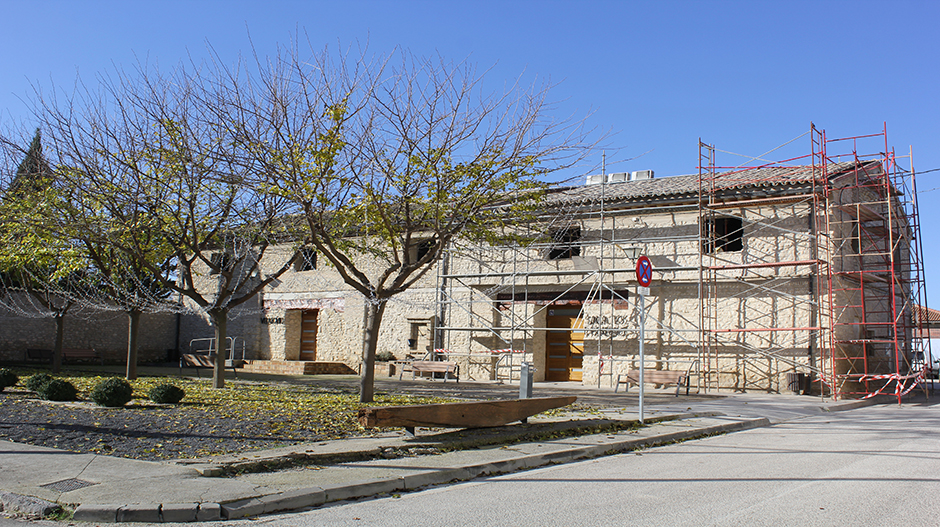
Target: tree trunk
370, 342
59, 338
220, 320
133, 324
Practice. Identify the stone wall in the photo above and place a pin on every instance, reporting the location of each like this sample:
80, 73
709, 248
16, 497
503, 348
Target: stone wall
758, 298
103, 331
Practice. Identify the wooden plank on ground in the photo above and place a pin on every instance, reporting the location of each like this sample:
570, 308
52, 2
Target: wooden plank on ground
479, 414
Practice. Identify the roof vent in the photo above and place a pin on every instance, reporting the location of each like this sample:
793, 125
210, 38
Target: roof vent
618, 177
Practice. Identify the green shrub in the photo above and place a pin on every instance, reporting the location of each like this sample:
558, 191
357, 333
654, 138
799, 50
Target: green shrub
35, 382
384, 356
58, 390
166, 393
7, 378
113, 392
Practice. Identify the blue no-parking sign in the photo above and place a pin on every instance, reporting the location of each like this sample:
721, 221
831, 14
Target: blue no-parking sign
644, 271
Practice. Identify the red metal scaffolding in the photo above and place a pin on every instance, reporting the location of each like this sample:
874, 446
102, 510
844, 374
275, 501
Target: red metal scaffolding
810, 270
877, 280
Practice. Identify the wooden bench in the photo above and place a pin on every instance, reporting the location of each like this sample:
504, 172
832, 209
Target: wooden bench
76, 354
42, 355
664, 377
200, 360
68, 354
432, 367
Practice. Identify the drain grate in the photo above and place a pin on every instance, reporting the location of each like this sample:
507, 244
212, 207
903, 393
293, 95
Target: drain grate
68, 485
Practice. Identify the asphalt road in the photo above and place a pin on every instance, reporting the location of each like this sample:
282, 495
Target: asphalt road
871, 466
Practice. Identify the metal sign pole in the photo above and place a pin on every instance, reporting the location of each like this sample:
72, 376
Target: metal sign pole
642, 327
644, 276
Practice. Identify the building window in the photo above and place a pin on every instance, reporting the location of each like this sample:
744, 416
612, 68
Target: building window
307, 261
219, 262
420, 337
724, 234
565, 243
421, 248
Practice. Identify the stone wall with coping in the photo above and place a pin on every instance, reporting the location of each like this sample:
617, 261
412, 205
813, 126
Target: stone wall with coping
104, 331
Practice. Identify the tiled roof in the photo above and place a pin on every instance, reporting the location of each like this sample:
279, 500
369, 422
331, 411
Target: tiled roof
932, 315
678, 186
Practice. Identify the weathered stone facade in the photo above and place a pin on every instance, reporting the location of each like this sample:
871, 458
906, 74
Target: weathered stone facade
759, 305
744, 296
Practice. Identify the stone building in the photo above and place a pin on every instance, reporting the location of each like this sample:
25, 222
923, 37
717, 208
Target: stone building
783, 277
774, 278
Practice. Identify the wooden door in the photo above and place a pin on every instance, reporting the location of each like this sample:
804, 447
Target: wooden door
564, 347
308, 335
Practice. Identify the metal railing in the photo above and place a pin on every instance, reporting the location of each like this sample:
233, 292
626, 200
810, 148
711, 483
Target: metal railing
235, 347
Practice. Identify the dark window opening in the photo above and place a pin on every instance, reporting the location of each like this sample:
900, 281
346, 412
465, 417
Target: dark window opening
219, 262
423, 248
565, 243
724, 235
307, 261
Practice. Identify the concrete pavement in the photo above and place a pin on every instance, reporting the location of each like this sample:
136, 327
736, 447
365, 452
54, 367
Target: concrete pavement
109, 489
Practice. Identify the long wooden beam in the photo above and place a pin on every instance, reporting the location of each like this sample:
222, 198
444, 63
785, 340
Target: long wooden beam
478, 414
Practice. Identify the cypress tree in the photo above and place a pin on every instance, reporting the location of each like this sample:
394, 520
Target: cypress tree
32, 171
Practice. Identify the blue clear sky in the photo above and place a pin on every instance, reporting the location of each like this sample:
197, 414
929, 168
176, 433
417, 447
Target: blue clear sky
745, 76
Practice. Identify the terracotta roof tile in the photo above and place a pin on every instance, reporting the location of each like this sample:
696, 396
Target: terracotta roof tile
678, 186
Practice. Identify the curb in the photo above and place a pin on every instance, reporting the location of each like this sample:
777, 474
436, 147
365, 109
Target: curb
148, 512
264, 462
317, 496
858, 403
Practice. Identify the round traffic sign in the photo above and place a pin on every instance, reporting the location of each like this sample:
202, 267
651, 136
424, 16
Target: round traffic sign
644, 271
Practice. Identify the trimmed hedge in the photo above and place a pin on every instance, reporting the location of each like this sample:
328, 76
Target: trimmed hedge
58, 390
114, 392
166, 394
384, 356
7, 378
35, 382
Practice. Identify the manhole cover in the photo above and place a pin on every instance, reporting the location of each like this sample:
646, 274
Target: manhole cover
68, 485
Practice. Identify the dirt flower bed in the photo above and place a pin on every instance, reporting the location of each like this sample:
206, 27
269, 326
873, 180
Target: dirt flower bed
241, 417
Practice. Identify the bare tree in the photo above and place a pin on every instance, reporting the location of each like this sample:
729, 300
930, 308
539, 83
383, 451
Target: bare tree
57, 268
371, 158
122, 282
419, 153
158, 160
